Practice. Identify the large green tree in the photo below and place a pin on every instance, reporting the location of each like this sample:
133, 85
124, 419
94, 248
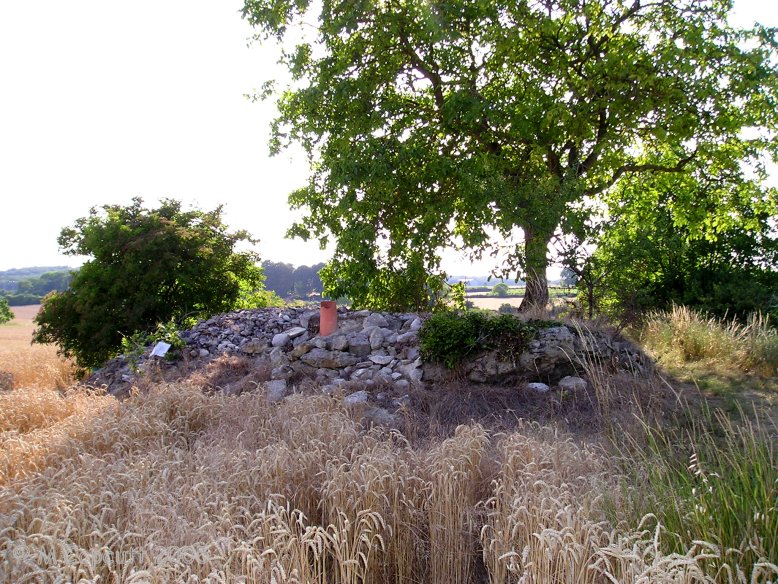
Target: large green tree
706, 239
146, 266
429, 122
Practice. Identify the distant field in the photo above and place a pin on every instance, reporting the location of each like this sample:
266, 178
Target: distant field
30, 365
19, 330
493, 303
487, 301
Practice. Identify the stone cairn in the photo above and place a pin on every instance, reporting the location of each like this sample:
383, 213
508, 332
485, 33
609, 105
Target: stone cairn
380, 349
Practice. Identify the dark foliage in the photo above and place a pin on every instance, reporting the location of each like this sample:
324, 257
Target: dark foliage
147, 266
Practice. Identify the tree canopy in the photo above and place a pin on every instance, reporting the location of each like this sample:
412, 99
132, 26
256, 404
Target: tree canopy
429, 123
147, 266
706, 239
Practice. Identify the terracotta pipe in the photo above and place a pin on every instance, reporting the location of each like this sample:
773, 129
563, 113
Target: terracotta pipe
328, 318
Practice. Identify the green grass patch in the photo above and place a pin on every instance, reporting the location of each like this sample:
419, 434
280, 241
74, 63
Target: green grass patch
714, 480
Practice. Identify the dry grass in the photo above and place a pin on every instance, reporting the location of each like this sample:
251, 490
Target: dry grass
183, 484
31, 365
683, 335
176, 485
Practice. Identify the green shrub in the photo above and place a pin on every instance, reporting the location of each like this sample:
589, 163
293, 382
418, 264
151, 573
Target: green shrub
134, 345
501, 290
5, 312
450, 337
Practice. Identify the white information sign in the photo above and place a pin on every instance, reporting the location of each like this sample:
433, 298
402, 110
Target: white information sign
160, 349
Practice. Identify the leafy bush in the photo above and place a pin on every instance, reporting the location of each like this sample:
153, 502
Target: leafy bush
134, 345
501, 290
704, 239
147, 266
450, 337
5, 312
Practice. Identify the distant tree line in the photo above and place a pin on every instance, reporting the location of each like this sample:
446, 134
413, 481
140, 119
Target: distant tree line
284, 279
24, 286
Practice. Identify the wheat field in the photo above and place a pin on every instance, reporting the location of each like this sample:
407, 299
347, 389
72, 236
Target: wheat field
178, 486
31, 365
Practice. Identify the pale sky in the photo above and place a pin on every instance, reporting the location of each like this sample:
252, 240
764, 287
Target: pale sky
101, 101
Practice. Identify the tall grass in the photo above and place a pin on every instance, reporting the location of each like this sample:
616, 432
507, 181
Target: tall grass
716, 481
683, 335
179, 486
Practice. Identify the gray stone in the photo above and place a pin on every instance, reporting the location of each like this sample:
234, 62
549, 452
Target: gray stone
489, 368
381, 359
572, 383
416, 324
305, 318
380, 417
328, 359
296, 332
409, 337
278, 357
281, 372
383, 375
435, 372
411, 371
300, 350
556, 334
359, 345
376, 319
362, 375
356, 398
203, 353
276, 390
338, 342
402, 384
280, 340
377, 336
253, 347
325, 375
539, 387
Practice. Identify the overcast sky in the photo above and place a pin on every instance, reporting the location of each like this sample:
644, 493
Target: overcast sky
101, 101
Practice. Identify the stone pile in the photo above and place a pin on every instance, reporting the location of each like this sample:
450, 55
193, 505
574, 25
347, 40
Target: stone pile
378, 350
555, 353
369, 347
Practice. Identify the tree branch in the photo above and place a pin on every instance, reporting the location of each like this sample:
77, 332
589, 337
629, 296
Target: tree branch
634, 168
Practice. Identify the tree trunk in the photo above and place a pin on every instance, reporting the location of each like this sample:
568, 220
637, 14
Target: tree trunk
536, 258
